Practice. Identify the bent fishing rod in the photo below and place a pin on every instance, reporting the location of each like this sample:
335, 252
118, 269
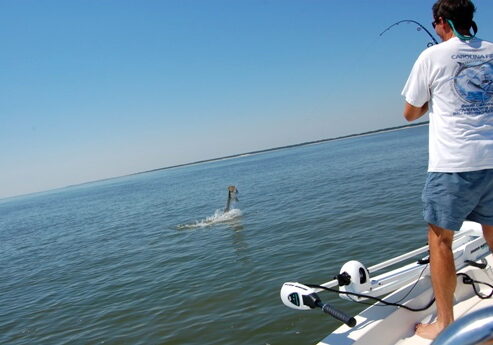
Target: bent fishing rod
419, 28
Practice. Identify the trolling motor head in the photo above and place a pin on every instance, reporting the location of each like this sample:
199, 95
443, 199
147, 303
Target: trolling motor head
353, 277
296, 296
302, 297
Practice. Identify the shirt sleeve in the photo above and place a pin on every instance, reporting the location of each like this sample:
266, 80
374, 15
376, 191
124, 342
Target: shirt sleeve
417, 88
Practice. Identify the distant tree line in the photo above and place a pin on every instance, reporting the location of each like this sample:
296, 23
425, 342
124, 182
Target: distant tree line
290, 146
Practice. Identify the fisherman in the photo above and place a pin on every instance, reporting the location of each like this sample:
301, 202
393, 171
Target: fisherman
232, 192
453, 81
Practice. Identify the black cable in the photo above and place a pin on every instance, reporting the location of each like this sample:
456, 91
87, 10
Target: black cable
371, 297
415, 284
396, 302
468, 280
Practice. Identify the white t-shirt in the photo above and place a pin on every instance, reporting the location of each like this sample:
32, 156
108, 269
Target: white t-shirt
456, 78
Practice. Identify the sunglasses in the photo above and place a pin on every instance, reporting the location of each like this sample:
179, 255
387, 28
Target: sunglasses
435, 22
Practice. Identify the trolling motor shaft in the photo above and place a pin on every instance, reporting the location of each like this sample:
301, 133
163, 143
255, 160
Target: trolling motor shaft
301, 297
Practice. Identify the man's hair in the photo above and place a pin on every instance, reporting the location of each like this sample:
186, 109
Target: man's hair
460, 12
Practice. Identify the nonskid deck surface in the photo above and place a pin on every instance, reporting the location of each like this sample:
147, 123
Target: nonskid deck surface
461, 309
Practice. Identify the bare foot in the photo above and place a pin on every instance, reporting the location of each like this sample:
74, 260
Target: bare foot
428, 331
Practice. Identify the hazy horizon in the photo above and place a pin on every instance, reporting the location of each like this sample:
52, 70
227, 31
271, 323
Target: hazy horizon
237, 155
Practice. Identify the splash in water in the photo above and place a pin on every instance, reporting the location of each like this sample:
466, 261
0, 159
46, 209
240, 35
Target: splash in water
218, 217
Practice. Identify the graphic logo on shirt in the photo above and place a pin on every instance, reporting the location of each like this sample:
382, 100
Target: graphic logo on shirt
474, 82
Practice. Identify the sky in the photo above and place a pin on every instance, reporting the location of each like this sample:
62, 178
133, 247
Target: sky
94, 89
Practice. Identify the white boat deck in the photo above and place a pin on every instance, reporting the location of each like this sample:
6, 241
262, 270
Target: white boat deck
463, 308
381, 325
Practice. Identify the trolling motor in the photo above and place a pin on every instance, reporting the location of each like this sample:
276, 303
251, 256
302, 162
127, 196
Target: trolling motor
302, 297
356, 283
353, 277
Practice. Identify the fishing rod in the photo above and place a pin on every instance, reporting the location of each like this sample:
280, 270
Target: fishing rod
419, 28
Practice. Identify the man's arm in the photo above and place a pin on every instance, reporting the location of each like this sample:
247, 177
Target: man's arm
412, 113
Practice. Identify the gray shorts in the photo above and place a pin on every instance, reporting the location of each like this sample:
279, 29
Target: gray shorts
451, 198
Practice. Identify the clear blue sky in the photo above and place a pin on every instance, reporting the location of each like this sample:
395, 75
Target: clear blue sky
104, 88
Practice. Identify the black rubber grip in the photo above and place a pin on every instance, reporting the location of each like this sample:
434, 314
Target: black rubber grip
339, 315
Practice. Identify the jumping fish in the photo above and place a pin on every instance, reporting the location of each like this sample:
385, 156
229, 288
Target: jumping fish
232, 197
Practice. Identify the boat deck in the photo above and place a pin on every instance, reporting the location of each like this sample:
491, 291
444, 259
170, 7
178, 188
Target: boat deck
463, 308
391, 325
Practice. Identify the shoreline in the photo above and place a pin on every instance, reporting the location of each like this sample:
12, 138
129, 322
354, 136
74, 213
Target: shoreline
313, 142
238, 155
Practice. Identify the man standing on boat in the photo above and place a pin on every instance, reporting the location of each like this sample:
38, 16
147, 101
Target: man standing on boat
454, 82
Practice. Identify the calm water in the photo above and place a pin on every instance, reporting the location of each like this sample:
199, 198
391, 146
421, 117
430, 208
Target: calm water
151, 259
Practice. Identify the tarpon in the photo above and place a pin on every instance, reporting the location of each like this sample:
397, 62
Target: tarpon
232, 197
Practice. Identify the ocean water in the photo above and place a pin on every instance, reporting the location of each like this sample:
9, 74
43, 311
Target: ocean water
153, 259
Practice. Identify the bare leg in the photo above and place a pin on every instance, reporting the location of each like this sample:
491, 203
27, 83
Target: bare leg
443, 280
488, 235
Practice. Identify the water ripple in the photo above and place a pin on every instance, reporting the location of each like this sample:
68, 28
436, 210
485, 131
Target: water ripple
109, 262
